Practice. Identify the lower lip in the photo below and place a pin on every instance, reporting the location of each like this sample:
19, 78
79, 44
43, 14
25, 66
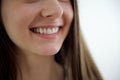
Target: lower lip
48, 36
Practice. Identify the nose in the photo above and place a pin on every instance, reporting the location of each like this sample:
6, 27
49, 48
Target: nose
52, 10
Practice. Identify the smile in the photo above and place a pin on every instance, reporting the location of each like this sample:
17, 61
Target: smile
45, 30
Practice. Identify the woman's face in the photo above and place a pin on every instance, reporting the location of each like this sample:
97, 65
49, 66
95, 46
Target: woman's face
37, 26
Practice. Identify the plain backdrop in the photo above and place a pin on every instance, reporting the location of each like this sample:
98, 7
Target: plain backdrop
100, 24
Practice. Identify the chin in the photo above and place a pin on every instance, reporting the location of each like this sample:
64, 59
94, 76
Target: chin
48, 51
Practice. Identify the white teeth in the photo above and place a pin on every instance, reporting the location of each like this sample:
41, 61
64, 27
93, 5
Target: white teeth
46, 30
40, 31
49, 31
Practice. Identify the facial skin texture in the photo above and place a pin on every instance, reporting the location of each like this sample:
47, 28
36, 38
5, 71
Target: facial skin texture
19, 15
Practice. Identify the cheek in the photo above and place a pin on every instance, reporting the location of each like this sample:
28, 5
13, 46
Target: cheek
16, 22
19, 17
22, 18
68, 14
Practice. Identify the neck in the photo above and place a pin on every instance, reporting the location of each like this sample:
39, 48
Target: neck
35, 67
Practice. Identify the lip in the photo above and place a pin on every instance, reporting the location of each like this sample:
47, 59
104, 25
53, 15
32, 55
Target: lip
46, 26
46, 36
49, 36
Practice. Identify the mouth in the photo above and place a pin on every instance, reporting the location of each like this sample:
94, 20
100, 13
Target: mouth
45, 30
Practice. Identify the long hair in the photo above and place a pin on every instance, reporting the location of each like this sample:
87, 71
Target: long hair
73, 55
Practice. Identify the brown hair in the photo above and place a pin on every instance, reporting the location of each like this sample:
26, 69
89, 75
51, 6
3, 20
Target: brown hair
73, 55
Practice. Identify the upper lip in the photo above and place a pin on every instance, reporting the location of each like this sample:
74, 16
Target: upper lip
46, 26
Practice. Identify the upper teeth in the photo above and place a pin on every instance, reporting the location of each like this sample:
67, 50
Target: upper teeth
46, 30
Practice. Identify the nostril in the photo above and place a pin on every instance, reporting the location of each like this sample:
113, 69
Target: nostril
49, 16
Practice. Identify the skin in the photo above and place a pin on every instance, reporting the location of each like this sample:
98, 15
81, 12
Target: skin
36, 53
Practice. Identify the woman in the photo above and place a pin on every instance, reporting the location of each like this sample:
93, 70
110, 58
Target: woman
40, 40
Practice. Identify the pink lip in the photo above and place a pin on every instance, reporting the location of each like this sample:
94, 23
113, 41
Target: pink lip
46, 26
47, 36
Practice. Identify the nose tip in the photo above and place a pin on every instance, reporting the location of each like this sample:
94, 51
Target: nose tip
52, 12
